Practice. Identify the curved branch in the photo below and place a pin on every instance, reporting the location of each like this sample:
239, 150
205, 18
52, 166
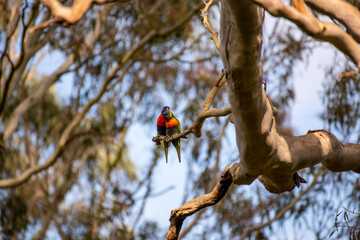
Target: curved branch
70, 15
332, 33
342, 11
214, 35
178, 215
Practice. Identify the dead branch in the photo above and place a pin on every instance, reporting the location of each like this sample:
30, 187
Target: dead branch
178, 215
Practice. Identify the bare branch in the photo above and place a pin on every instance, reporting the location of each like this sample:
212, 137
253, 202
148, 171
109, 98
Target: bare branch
300, 6
347, 74
214, 35
178, 215
44, 24
332, 33
342, 11
34, 97
69, 15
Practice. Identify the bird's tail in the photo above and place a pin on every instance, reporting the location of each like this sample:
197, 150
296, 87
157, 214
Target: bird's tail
177, 146
166, 147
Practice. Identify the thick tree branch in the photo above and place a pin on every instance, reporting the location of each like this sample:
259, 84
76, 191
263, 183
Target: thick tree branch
342, 11
241, 38
70, 15
263, 153
178, 215
332, 33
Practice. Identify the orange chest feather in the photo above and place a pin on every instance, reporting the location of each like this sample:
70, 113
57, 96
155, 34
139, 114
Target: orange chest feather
172, 123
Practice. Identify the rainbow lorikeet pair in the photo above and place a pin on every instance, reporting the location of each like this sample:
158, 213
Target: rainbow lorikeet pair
168, 125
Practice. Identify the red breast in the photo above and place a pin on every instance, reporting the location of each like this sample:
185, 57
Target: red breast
161, 121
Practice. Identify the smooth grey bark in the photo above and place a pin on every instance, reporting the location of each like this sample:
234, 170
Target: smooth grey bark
263, 153
343, 11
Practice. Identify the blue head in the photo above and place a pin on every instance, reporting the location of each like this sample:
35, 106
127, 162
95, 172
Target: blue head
165, 109
166, 113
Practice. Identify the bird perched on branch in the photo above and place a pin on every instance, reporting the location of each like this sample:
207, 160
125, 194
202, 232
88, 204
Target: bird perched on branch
168, 125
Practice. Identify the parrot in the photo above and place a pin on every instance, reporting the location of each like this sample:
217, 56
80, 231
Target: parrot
161, 123
161, 129
168, 125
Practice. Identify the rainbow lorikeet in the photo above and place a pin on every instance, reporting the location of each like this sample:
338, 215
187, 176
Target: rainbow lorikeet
168, 125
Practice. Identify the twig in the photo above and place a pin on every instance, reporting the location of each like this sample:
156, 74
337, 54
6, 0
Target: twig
347, 74
214, 35
178, 215
45, 24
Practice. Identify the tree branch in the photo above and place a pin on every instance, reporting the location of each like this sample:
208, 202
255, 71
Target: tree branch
347, 74
214, 35
263, 153
332, 33
343, 11
196, 127
178, 215
69, 15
